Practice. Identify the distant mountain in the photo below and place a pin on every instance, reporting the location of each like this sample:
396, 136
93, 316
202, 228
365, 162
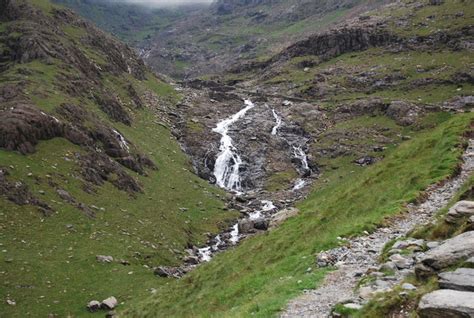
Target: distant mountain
131, 23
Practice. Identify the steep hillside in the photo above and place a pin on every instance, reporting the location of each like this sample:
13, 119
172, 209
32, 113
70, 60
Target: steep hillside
88, 167
381, 106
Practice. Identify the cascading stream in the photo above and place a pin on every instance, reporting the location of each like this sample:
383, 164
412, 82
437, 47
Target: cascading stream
228, 162
278, 122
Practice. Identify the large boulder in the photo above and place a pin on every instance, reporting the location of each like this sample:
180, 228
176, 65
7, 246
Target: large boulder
450, 252
447, 303
461, 279
459, 210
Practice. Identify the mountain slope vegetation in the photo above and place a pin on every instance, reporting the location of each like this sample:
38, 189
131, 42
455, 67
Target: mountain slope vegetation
367, 103
401, 78
88, 167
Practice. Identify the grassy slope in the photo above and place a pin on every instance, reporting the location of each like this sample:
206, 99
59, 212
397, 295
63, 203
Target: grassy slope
48, 263
259, 276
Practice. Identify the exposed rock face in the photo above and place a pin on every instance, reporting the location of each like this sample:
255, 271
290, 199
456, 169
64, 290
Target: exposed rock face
456, 249
447, 303
24, 125
459, 210
106, 153
461, 279
337, 42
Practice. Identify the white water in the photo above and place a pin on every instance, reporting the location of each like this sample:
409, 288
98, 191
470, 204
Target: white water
205, 253
123, 143
278, 122
299, 184
299, 153
228, 162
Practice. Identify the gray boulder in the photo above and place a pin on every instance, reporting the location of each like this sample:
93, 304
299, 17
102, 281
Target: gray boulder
459, 210
109, 303
93, 306
450, 252
461, 279
447, 303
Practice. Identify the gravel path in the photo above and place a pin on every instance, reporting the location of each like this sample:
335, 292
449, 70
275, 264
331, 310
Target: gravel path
364, 251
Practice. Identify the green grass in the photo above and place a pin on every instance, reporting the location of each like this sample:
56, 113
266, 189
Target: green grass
259, 276
48, 263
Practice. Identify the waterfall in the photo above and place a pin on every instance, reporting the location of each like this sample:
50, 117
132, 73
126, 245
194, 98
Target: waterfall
300, 154
228, 162
278, 122
123, 143
299, 184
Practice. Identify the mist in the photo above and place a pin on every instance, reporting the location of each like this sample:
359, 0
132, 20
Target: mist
164, 3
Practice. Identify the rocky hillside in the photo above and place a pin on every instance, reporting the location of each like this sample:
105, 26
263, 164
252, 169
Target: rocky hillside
355, 122
95, 191
229, 32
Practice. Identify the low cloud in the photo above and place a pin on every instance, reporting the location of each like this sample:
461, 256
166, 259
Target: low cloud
165, 3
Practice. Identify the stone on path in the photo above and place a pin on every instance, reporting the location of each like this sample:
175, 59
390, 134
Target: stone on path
461, 279
446, 303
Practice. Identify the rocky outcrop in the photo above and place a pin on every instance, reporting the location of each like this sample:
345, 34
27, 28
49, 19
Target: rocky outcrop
23, 126
452, 251
447, 303
338, 41
460, 210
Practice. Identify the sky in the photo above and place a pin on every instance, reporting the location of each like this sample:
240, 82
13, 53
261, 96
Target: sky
161, 3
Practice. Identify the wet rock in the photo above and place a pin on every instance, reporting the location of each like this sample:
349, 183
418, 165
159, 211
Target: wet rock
446, 303
109, 303
459, 210
261, 224
461, 279
104, 259
450, 252
93, 306
245, 226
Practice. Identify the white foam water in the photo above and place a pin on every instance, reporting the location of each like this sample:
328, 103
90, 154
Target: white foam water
228, 162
